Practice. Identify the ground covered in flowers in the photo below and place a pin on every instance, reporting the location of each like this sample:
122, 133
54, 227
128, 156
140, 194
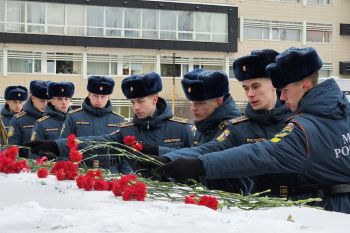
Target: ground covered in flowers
30, 204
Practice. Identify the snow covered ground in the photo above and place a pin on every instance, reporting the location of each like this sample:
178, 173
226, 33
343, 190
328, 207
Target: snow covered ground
29, 204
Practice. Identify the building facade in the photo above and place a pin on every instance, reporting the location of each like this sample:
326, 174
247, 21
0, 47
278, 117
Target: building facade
72, 39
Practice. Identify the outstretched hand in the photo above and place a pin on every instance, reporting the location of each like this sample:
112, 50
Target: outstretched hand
182, 169
43, 146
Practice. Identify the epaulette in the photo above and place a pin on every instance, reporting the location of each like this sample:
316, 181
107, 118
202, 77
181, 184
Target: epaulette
239, 119
125, 124
180, 120
20, 114
76, 110
43, 118
118, 114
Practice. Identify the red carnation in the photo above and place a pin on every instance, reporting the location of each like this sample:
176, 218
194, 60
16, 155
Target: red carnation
101, 185
12, 152
75, 156
140, 191
129, 140
128, 193
42, 173
60, 174
209, 201
137, 146
71, 142
191, 199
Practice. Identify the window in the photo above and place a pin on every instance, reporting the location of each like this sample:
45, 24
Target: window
94, 20
170, 70
64, 63
326, 70
55, 18
168, 25
2, 15
318, 33
185, 25
272, 30
114, 19
15, 16
35, 17
24, 62
75, 20
100, 64
45, 17
132, 22
137, 64
322, 2
150, 24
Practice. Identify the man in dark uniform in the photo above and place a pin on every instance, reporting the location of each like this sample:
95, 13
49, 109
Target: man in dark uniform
22, 123
95, 117
153, 122
314, 143
49, 126
15, 97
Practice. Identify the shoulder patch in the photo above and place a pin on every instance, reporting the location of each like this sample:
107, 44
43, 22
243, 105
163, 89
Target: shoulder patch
43, 118
20, 114
76, 110
285, 132
239, 119
222, 137
125, 124
180, 120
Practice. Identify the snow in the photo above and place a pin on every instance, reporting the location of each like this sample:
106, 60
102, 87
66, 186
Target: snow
29, 204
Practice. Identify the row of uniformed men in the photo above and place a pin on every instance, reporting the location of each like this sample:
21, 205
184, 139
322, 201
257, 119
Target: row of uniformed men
296, 160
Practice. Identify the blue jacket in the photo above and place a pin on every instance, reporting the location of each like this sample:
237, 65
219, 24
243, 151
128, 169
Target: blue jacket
91, 121
213, 125
162, 129
6, 116
22, 123
315, 144
49, 126
255, 126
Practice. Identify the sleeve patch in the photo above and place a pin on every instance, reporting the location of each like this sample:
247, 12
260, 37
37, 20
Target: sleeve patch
223, 135
285, 132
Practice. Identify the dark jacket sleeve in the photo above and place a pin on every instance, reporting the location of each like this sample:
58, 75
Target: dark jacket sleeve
38, 132
84, 142
17, 137
285, 156
68, 127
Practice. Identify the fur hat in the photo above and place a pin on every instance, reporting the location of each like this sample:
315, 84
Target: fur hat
141, 85
253, 65
38, 89
201, 85
293, 65
60, 89
16, 93
100, 85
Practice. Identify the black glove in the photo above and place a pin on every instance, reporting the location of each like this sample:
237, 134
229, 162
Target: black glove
182, 169
142, 164
43, 146
150, 149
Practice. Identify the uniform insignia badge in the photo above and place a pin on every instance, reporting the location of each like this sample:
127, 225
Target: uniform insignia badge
285, 132
131, 89
63, 126
11, 131
189, 89
33, 136
223, 135
244, 68
101, 88
62, 90
19, 94
95, 163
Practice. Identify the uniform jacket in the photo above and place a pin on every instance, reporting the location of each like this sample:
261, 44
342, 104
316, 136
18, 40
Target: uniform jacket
315, 144
6, 116
89, 120
162, 129
49, 126
22, 123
